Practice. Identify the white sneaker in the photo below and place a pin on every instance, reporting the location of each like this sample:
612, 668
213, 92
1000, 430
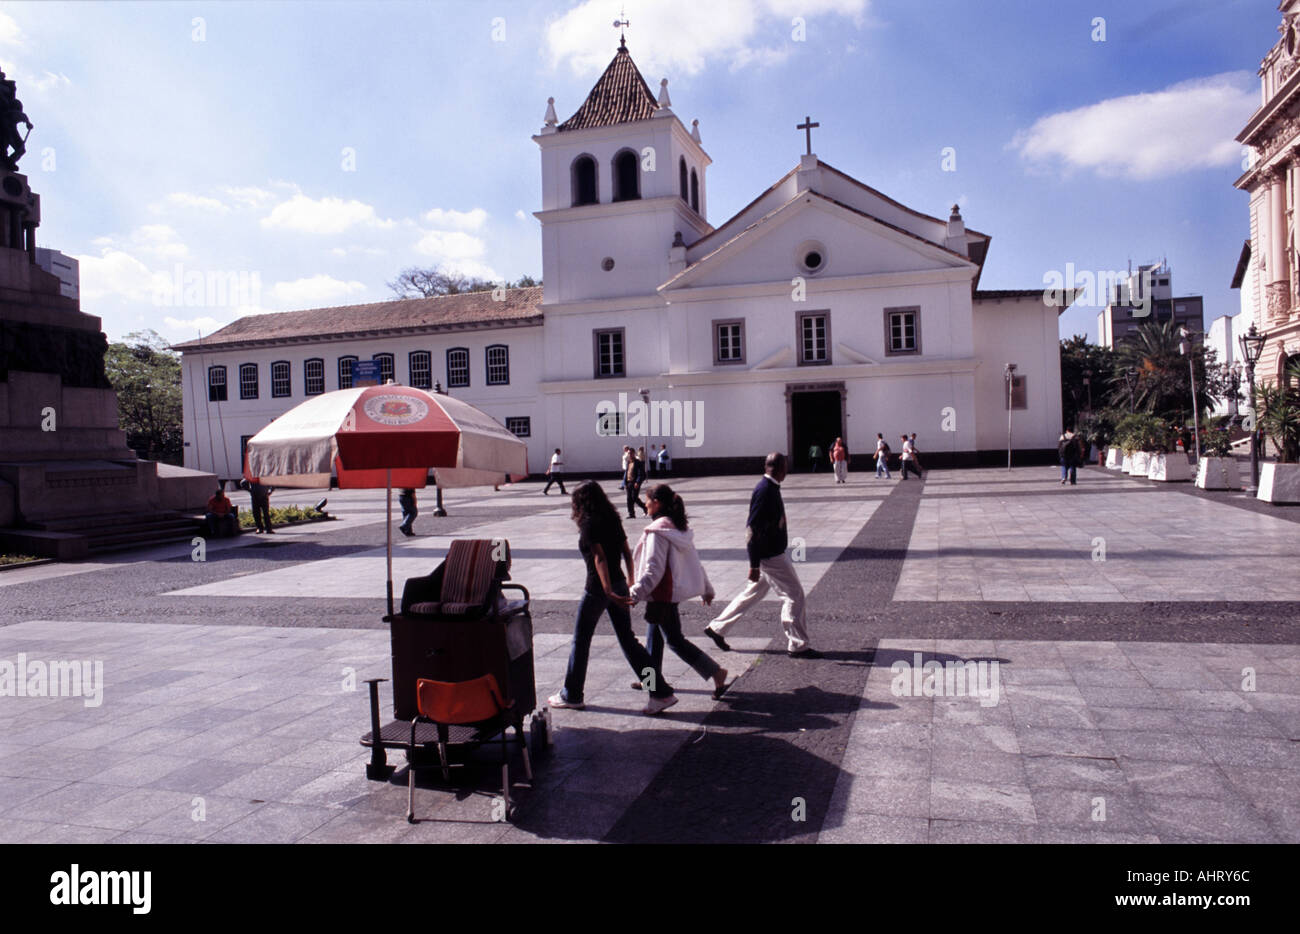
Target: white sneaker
657, 705
557, 700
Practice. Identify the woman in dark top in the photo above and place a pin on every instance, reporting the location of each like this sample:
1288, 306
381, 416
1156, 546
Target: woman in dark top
633, 478
603, 543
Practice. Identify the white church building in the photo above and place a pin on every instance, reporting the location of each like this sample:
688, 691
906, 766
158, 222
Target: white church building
823, 308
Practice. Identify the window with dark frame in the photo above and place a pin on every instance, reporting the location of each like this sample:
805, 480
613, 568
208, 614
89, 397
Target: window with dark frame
248, 381
457, 368
520, 425
902, 331
280, 386
216, 384
729, 341
681, 173
814, 338
695, 192
243, 450
498, 365
420, 363
313, 376
345, 371
609, 353
387, 369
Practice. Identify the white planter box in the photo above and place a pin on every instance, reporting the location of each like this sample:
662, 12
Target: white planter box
1218, 473
1141, 461
1169, 468
1114, 458
1126, 463
1279, 483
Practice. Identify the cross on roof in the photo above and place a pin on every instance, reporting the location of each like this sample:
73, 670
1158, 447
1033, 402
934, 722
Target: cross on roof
807, 127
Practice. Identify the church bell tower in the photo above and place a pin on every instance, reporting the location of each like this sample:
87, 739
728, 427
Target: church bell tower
622, 182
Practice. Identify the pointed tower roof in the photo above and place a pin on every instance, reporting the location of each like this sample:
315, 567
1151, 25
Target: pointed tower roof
620, 96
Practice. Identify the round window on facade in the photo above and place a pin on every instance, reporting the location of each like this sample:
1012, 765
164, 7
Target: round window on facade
607, 263
811, 256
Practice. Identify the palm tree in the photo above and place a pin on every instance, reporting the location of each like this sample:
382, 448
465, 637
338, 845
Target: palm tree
1162, 387
1279, 412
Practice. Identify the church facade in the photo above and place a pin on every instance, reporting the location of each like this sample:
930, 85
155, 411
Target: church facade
822, 309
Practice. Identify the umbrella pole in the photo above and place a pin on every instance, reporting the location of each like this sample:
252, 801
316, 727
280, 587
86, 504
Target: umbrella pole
389, 525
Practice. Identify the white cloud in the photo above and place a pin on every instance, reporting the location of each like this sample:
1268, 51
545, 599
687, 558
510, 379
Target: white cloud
724, 30
1186, 126
159, 241
249, 196
10, 32
184, 199
321, 215
47, 81
451, 245
189, 328
115, 273
317, 291
519, 213
456, 220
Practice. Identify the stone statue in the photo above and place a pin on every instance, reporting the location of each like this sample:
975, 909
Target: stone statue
11, 115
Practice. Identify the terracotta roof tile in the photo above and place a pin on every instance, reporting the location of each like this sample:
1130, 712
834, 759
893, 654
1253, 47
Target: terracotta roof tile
620, 96
465, 310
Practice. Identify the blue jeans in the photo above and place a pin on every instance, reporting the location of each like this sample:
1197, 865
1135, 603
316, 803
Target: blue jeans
882, 467
664, 624
590, 609
1068, 471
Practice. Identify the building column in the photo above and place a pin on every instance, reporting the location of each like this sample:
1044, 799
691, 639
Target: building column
1279, 275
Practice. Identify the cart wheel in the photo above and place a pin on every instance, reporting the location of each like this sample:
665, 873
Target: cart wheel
511, 813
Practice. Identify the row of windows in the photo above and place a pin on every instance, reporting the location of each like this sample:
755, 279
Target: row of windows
813, 328
420, 363
625, 171
520, 425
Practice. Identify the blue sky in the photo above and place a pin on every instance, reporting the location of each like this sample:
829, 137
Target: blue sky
324, 147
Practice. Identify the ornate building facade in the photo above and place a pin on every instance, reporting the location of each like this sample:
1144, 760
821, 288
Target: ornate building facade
1269, 272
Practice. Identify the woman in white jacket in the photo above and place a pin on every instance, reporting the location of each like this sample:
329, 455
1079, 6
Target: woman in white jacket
668, 571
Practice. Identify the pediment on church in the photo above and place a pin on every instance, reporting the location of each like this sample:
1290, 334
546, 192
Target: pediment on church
815, 237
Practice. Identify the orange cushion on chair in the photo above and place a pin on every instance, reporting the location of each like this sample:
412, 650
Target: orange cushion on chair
459, 701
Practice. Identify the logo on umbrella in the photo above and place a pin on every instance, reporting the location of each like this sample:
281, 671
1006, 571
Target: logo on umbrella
395, 410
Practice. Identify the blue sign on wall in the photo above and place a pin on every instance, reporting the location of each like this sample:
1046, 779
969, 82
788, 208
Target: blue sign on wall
366, 373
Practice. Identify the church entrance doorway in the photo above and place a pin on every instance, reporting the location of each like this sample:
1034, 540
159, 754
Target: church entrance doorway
815, 415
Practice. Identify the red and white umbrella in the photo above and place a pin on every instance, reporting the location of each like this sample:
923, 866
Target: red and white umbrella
384, 436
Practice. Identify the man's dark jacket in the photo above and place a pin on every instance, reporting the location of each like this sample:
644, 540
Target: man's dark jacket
767, 535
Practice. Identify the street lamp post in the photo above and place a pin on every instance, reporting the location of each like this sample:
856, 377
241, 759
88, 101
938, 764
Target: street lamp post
1185, 347
1252, 348
1009, 375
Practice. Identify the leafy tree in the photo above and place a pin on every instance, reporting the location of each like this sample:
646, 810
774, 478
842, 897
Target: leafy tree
1077, 358
1279, 413
416, 282
146, 374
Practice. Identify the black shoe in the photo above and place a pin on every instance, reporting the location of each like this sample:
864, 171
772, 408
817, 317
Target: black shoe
717, 639
405, 531
806, 653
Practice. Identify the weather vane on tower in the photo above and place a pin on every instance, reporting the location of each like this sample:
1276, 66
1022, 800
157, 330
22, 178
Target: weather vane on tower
620, 24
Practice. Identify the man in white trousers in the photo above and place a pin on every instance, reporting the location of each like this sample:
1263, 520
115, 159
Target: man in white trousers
770, 568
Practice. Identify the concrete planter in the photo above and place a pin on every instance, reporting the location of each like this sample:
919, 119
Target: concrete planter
1168, 468
1126, 463
1279, 483
1114, 458
1218, 473
1138, 464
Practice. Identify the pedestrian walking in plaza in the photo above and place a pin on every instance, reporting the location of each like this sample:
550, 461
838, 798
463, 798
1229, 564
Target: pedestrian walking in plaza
603, 543
882, 457
916, 455
668, 571
622, 476
770, 568
815, 455
665, 461
1070, 454
406, 499
555, 474
634, 477
840, 461
909, 458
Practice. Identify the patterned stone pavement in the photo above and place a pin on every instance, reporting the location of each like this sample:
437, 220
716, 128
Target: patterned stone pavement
1150, 696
